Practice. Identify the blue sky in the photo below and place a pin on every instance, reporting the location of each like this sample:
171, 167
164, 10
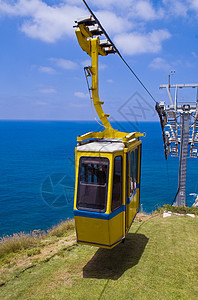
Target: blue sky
41, 63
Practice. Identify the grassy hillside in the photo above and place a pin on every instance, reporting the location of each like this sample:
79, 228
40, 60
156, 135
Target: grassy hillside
157, 261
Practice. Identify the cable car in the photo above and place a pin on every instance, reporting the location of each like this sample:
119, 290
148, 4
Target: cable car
107, 163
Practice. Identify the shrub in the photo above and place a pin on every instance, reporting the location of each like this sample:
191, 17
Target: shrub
16, 242
178, 209
22, 241
19, 241
62, 228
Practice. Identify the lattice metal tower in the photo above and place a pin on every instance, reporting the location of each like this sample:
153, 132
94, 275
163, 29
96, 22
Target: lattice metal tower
179, 122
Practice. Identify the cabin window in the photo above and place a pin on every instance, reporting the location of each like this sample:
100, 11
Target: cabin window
117, 183
127, 176
134, 171
132, 174
92, 184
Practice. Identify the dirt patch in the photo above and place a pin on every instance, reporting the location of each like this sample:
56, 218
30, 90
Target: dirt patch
142, 217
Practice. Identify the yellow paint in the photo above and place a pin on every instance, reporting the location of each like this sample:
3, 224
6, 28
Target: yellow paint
99, 231
110, 134
132, 209
115, 228
92, 230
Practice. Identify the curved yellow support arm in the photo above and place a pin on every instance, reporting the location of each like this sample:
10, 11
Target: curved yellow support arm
95, 90
92, 47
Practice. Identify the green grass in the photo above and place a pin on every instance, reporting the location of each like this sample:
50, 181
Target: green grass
157, 261
34, 251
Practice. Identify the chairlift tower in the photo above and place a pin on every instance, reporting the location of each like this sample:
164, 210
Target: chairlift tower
179, 123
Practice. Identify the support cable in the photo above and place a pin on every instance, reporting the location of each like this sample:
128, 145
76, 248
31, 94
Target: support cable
90, 97
117, 51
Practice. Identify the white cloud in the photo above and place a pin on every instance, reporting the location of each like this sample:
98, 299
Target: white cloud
137, 43
113, 23
110, 81
193, 4
144, 10
50, 23
42, 21
47, 70
110, 4
47, 91
179, 8
176, 8
41, 103
64, 63
182, 8
81, 95
159, 63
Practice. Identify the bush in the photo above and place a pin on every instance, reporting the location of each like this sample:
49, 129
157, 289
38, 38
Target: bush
16, 242
22, 241
178, 209
62, 228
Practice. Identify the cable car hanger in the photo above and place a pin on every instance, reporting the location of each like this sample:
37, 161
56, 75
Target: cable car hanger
88, 32
116, 49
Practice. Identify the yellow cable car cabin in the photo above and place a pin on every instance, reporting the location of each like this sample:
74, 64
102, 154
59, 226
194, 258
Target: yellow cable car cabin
107, 190
107, 163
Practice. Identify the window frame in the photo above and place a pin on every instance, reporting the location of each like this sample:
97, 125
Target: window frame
136, 169
121, 184
131, 190
79, 207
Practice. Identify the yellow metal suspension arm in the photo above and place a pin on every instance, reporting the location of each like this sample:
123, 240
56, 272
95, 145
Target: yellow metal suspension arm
92, 47
95, 49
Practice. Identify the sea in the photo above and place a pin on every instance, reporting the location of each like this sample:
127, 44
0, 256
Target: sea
37, 166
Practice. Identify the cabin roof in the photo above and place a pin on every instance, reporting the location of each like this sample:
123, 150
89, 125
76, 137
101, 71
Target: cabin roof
102, 146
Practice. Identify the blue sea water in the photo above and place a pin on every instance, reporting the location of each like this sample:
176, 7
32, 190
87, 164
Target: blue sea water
34, 155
